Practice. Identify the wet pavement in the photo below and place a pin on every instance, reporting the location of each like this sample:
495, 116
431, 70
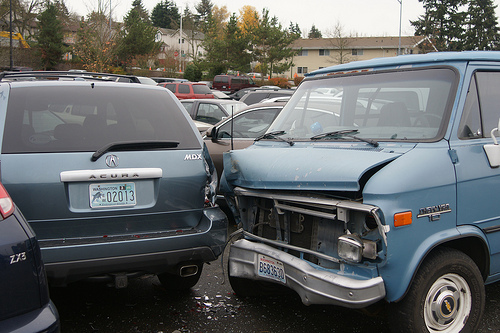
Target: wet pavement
211, 306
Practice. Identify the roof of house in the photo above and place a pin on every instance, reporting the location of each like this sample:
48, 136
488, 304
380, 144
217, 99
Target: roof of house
356, 42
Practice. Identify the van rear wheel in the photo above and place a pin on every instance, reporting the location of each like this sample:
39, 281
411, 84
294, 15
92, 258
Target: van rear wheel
447, 295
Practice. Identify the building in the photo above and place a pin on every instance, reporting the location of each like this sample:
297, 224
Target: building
186, 50
316, 53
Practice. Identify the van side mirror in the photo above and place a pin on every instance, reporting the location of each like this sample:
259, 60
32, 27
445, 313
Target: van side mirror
493, 150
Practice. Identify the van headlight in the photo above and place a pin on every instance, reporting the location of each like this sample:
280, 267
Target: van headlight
353, 248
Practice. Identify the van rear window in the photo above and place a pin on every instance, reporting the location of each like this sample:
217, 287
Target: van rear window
55, 118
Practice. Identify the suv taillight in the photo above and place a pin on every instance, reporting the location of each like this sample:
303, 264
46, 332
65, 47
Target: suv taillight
6, 203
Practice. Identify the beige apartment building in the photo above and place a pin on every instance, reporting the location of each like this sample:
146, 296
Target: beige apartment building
316, 53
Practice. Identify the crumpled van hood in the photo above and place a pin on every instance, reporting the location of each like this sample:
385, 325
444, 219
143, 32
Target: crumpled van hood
299, 168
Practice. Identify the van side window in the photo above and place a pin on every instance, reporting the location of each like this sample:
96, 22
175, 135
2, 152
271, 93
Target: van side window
481, 112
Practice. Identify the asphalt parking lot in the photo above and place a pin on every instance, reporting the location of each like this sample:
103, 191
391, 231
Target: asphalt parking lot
211, 306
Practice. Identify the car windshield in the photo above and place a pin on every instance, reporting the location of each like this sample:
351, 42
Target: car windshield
234, 107
74, 117
392, 105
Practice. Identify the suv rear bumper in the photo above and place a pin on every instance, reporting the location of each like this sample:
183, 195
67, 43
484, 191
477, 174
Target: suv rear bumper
314, 286
154, 255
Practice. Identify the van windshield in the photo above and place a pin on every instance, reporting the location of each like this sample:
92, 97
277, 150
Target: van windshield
398, 105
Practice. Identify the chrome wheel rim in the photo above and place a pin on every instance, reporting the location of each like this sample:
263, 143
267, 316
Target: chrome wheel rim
447, 304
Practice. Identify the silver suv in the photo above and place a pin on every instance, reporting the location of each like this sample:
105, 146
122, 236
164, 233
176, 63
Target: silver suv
114, 178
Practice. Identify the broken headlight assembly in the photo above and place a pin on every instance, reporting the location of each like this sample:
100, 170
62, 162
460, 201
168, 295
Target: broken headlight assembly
353, 248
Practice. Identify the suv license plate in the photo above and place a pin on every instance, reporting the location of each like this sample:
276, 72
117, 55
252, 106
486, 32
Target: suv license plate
112, 195
271, 268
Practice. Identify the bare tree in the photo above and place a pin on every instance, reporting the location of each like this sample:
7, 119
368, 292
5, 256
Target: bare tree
340, 43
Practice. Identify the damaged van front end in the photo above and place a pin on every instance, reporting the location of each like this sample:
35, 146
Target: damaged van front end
331, 201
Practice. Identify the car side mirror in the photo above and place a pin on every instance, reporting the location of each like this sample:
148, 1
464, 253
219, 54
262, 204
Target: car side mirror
493, 150
212, 133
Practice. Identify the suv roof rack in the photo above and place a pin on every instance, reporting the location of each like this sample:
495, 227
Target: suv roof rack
68, 75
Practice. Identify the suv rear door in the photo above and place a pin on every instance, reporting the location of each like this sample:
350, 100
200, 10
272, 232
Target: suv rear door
71, 194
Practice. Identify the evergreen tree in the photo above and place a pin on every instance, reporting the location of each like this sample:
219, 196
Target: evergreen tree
482, 26
166, 15
294, 29
50, 37
138, 37
272, 45
237, 46
314, 33
443, 23
203, 9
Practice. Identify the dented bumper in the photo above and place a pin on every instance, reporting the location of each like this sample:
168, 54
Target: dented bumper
314, 286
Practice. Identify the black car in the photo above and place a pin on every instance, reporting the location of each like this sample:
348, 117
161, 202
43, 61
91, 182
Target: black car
25, 305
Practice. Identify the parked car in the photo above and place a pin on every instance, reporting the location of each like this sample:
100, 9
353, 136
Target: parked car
25, 303
242, 92
211, 111
390, 195
260, 95
159, 79
147, 80
188, 90
240, 130
113, 178
220, 94
232, 83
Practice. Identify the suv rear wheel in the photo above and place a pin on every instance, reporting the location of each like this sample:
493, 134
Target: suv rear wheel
447, 295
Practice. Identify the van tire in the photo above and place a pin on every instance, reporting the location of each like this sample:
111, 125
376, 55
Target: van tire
454, 282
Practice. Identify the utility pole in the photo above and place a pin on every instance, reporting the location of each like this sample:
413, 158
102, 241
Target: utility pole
400, 16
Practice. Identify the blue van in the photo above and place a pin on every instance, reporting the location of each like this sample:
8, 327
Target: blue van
382, 191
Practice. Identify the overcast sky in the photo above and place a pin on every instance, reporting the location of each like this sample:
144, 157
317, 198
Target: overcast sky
362, 17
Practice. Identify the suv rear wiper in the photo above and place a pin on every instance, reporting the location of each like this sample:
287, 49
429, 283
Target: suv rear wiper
339, 134
133, 145
274, 135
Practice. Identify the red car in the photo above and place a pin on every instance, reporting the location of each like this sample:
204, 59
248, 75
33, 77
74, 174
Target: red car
188, 90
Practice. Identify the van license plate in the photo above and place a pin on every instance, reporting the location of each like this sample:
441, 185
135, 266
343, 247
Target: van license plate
112, 195
271, 268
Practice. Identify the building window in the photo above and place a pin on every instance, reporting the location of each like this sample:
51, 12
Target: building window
357, 52
323, 52
302, 53
301, 70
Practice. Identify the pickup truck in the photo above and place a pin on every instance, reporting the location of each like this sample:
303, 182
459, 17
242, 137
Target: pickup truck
376, 185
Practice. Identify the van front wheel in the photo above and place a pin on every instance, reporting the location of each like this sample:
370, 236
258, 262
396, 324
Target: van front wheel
447, 295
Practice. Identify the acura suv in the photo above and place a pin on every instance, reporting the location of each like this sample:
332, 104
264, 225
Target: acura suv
114, 178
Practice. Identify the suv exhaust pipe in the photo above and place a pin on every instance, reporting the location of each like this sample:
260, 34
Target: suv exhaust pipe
188, 270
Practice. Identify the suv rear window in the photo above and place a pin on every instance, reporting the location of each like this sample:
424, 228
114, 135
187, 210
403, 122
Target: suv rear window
201, 89
56, 118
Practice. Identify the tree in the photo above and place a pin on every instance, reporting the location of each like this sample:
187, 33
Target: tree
96, 43
340, 43
248, 20
165, 15
482, 26
50, 38
314, 33
137, 40
237, 45
442, 22
271, 45
192, 73
203, 9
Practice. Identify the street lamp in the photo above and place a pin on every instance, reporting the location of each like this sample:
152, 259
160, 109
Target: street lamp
400, 15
